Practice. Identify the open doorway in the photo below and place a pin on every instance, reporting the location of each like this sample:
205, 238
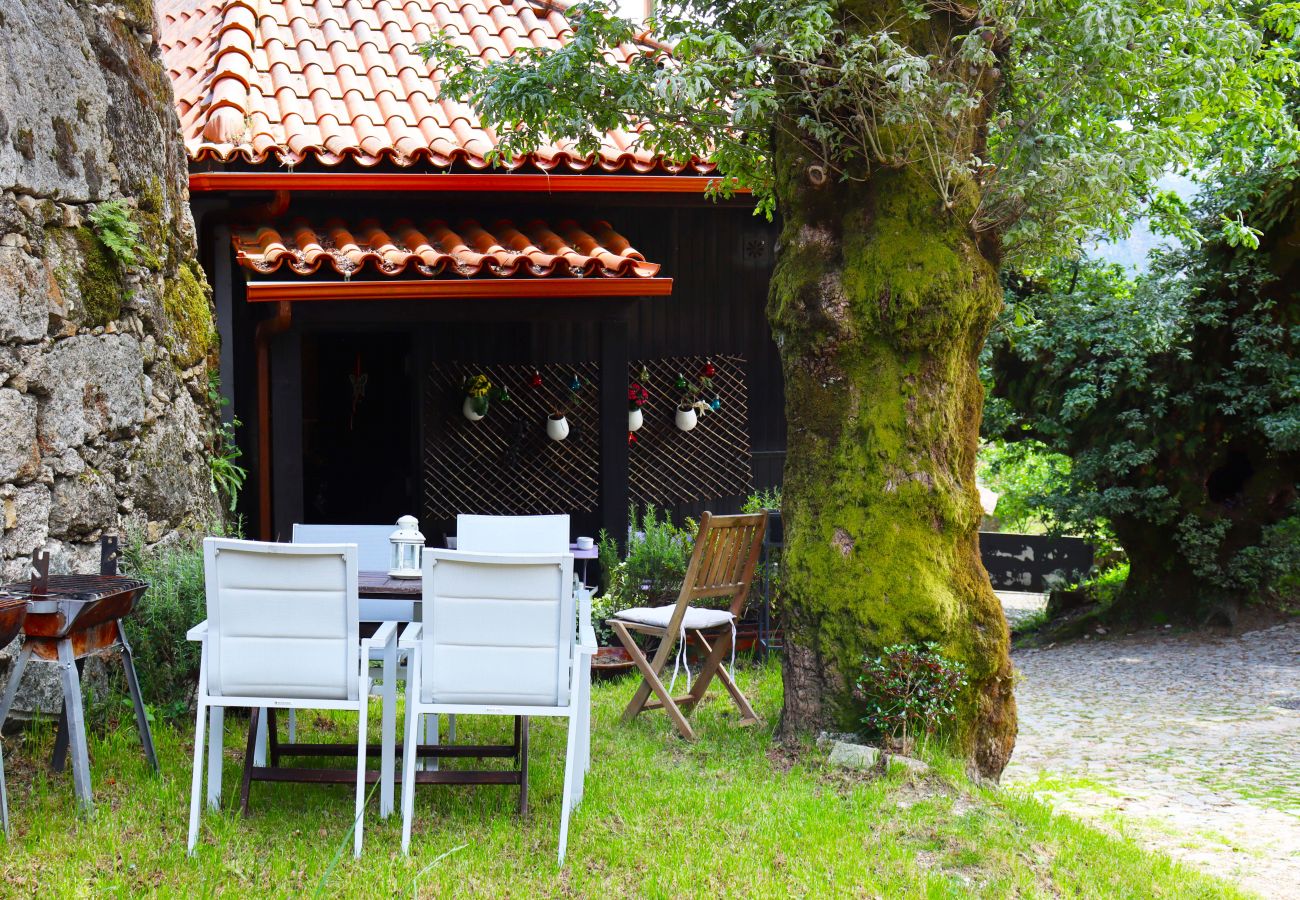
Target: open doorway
359, 411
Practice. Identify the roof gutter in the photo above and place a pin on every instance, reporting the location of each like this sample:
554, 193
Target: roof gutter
209, 182
505, 288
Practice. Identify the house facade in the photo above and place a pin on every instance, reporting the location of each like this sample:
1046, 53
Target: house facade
404, 326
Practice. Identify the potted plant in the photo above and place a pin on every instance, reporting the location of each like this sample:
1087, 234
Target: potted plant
636, 398
475, 406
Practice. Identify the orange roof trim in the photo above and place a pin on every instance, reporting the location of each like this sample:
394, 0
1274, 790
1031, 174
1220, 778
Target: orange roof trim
335, 81
434, 248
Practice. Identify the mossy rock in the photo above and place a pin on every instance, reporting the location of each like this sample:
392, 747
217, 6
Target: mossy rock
189, 312
98, 279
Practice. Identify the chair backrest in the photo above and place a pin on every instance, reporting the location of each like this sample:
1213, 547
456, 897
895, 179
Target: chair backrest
498, 628
374, 553
282, 619
512, 534
726, 554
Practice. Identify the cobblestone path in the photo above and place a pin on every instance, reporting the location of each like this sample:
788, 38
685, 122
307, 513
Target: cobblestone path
1176, 741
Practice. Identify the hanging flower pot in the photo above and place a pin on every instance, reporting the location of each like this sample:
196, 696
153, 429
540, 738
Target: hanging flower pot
635, 419
471, 408
557, 427
686, 417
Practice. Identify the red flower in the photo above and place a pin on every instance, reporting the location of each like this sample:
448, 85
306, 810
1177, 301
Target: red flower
636, 395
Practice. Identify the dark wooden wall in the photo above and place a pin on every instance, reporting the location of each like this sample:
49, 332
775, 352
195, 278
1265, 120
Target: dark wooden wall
719, 255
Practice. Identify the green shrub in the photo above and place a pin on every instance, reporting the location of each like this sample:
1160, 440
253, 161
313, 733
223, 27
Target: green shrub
909, 690
168, 665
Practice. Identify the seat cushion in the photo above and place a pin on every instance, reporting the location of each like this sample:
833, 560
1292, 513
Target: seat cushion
660, 615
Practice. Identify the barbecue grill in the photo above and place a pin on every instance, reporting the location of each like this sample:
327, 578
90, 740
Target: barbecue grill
68, 618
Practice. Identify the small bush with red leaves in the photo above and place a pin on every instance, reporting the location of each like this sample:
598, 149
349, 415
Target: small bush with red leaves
909, 690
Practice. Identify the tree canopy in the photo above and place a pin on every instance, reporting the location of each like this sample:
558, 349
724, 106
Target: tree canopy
1061, 114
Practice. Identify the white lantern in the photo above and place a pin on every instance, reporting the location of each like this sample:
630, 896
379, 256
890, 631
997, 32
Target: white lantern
404, 561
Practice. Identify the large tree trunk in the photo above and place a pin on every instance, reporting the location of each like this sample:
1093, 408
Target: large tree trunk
880, 303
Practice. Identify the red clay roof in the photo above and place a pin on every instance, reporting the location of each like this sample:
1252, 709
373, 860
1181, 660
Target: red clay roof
436, 247
339, 80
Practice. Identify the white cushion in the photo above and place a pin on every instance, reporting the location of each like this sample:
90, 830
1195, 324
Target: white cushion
660, 615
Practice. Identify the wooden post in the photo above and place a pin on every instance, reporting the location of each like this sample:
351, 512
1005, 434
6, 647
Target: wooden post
613, 426
286, 434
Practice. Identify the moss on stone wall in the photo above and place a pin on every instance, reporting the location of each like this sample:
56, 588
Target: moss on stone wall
98, 279
185, 300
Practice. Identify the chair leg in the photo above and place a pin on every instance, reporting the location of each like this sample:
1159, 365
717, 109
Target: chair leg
716, 654
410, 752
521, 742
250, 759
642, 695
712, 664
293, 726
76, 727
570, 772
364, 695
137, 700
651, 683
216, 747
196, 783
263, 739
4, 796
272, 736
389, 739
431, 736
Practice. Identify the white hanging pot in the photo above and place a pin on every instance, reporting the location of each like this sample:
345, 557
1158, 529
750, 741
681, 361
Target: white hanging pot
468, 409
557, 428
686, 417
635, 419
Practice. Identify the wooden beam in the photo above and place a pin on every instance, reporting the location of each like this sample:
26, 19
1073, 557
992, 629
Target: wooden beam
207, 182
614, 342
278, 291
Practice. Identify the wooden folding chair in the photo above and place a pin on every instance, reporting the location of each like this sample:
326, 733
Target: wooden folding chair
726, 553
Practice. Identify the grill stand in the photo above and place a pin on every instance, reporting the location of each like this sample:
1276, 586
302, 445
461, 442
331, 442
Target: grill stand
69, 653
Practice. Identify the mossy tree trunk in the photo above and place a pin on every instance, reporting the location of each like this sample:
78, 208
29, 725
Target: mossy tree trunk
880, 303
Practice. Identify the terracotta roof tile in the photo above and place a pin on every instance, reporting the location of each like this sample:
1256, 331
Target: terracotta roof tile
285, 81
436, 247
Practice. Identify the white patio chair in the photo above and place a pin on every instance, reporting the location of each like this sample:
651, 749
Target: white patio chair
512, 534
281, 633
498, 638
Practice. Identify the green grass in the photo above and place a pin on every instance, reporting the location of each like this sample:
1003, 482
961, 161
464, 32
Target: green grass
732, 815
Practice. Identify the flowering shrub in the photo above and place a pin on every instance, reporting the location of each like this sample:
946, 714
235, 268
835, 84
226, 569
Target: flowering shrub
909, 689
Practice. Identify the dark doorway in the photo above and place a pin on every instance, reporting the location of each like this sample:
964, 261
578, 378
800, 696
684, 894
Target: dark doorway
359, 402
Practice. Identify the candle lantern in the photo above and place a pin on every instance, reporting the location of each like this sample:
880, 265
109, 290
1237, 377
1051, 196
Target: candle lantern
406, 541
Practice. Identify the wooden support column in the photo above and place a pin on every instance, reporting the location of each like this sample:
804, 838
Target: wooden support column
286, 434
613, 426
222, 270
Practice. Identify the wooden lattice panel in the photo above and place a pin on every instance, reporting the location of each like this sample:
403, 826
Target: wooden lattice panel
666, 465
504, 464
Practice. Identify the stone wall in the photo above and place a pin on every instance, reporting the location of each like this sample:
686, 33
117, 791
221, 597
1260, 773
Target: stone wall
104, 366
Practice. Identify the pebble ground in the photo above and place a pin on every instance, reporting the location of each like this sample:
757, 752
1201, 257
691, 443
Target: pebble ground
1173, 739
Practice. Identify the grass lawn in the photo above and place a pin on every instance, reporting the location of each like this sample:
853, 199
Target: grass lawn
732, 815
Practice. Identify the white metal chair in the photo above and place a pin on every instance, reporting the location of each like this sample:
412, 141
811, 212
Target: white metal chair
512, 534
499, 638
373, 555
281, 633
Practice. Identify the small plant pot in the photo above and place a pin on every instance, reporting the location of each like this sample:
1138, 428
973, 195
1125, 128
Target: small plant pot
635, 419
470, 412
686, 417
557, 428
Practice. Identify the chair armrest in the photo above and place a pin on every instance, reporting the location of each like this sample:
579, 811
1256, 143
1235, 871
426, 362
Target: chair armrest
198, 633
587, 640
410, 636
385, 636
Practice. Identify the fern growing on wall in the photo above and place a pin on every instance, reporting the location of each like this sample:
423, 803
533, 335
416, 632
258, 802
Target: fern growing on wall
115, 228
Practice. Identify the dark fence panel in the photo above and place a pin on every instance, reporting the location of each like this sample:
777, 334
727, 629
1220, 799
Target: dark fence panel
1033, 562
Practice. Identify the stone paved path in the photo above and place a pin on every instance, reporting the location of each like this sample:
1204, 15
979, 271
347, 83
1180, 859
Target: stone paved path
1175, 741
